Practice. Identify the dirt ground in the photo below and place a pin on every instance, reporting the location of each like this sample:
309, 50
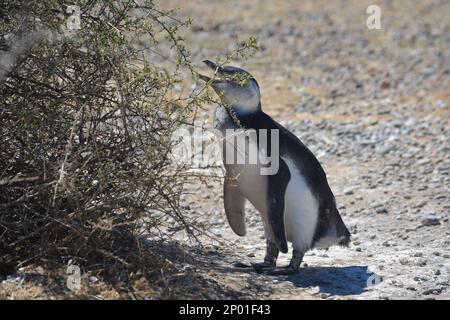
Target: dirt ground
374, 107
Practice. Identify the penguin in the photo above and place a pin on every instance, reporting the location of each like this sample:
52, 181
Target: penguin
295, 201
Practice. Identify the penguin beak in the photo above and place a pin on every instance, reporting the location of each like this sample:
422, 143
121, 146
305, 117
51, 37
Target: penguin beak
217, 71
213, 66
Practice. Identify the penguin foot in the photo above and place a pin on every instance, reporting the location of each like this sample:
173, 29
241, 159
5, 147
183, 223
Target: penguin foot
278, 271
291, 268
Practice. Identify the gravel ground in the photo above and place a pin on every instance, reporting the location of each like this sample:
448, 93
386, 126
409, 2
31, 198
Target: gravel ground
374, 106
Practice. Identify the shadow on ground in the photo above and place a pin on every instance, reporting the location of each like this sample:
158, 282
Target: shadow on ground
352, 280
337, 281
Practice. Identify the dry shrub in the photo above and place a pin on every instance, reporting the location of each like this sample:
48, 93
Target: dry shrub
85, 133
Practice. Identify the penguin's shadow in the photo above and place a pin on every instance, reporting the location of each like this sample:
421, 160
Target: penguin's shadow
351, 280
340, 281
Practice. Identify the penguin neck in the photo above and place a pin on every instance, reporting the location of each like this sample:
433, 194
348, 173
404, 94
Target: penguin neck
245, 116
243, 112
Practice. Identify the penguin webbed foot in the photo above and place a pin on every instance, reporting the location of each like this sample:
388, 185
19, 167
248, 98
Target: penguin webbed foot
291, 268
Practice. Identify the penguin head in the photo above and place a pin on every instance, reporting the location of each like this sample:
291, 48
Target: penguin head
236, 88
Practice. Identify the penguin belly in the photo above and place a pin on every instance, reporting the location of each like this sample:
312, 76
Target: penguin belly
301, 210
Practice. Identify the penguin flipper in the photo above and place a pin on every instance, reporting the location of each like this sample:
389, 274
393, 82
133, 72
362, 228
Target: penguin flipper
276, 189
234, 206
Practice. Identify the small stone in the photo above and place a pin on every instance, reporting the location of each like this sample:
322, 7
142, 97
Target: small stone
403, 261
430, 220
420, 279
348, 191
40, 270
421, 263
384, 149
421, 204
381, 210
435, 291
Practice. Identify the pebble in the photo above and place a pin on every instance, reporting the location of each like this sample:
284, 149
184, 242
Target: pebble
420, 279
435, 291
421, 204
421, 263
348, 191
381, 210
430, 220
384, 149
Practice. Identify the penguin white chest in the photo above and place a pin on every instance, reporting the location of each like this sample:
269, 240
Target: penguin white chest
301, 210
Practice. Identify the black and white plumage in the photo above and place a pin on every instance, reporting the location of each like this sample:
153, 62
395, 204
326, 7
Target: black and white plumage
296, 203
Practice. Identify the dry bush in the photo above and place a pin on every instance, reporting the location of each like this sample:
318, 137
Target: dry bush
85, 133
